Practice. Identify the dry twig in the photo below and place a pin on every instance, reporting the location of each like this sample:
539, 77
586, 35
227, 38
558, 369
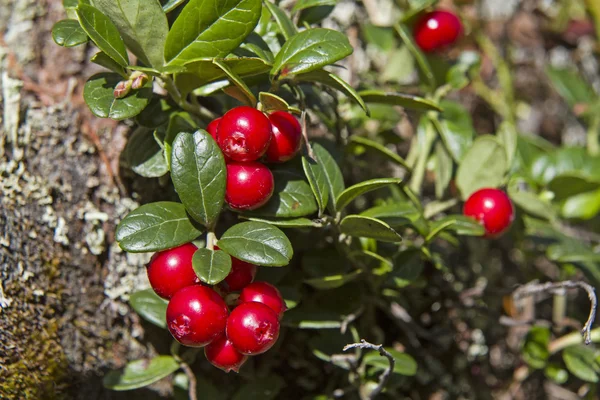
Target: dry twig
385, 376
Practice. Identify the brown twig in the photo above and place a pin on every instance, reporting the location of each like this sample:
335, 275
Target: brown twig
385, 376
192, 380
552, 287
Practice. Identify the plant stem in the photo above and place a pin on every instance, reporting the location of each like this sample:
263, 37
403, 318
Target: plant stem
424, 149
385, 376
192, 380
211, 239
201, 112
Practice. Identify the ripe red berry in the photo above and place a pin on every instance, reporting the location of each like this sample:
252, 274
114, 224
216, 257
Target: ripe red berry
171, 270
213, 127
263, 292
287, 136
436, 30
252, 328
249, 185
242, 273
221, 353
244, 134
492, 208
196, 315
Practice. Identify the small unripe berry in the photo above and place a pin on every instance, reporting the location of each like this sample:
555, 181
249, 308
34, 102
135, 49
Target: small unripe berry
171, 270
196, 315
252, 328
492, 208
221, 353
263, 292
244, 134
213, 128
436, 30
286, 139
249, 185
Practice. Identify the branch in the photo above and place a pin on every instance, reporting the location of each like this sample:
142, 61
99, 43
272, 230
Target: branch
192, 380
552, 287
385, 376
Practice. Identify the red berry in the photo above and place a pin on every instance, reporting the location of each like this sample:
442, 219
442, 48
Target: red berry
252, 328
213, 127
244, 134
196, 315
221, 353
171, 270
492, 208
436, 30
263, 292
242, 273
287, 136
249, 185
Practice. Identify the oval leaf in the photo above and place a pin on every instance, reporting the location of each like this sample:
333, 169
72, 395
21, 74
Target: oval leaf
144, 155
141, 373
317, 180
582, 362
361, 188
333, 175
257, 243
68, 33
98, 95
399, 99
456, 129
287, 223
405, 364
210, 28
458, 223
156, 226
332, 281
285, 24
198, 174
105, 61
211, 266
272, 102
380, 148
103, 32
483, 166
361, 226
310, 50
150, 306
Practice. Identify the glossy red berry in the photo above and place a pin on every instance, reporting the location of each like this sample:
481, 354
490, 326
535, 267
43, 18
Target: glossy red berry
171, 270
436, 30
242, 274
196, 315
492, 208
287, 136
244, 134
249, 185
252, 328
263, 292
213, 127
221, 353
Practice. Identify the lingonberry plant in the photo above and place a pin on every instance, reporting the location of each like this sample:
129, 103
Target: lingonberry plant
239, 106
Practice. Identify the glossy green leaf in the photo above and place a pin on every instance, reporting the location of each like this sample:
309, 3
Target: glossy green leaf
570, 184
315, 15
272, 102
583, 362
361, 188
285, 24
460, 224
582, 206
371, 144
443, 170
361, 226
144, 155
150, 306
155, 114
286, 223
178, 122
103, 33
257, 243
317, 180
255, 46
571, 251
529, 201
484, 165
399, 99
408, 267
570, 85
210, 28
456, 129
199, 175
332, 281
154, 227
395, 214
211, 266
535, 348
292, 196
312, 318
405, 364
70, 3
171, 5
235, 79
310, 50
68, 33
565, 161
105, 61
98, 95
266, 388
140, 373
422, 62
333, 175
304, 4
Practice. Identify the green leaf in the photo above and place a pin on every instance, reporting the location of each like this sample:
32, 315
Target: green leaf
570, 85
405, 364
103, 33
529, 201
399, 99
310, 50
460, 224
150, 306
443, 170
333, 175
582, 362
255, 45
317, 181
483, 166
211, 266
571, 251
361, 188
171, 5
456, 129
304, 4
210, 28
557, 374
68, 33
178, 122
154, 227
332, 281
140, 373
105, 61
238, 82
570, 184
143, 26
271, 102
535, 348
266, 388
98, 95
199, 175
507, 135
363, 141
422, 62
408, 267
361, 226
70, 3
144, 155
582, 206
394, 214
155, 114
334, 81
257, 243
286, 223
285, 24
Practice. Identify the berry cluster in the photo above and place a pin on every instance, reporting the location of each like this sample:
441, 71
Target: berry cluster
246, 135
197, 315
